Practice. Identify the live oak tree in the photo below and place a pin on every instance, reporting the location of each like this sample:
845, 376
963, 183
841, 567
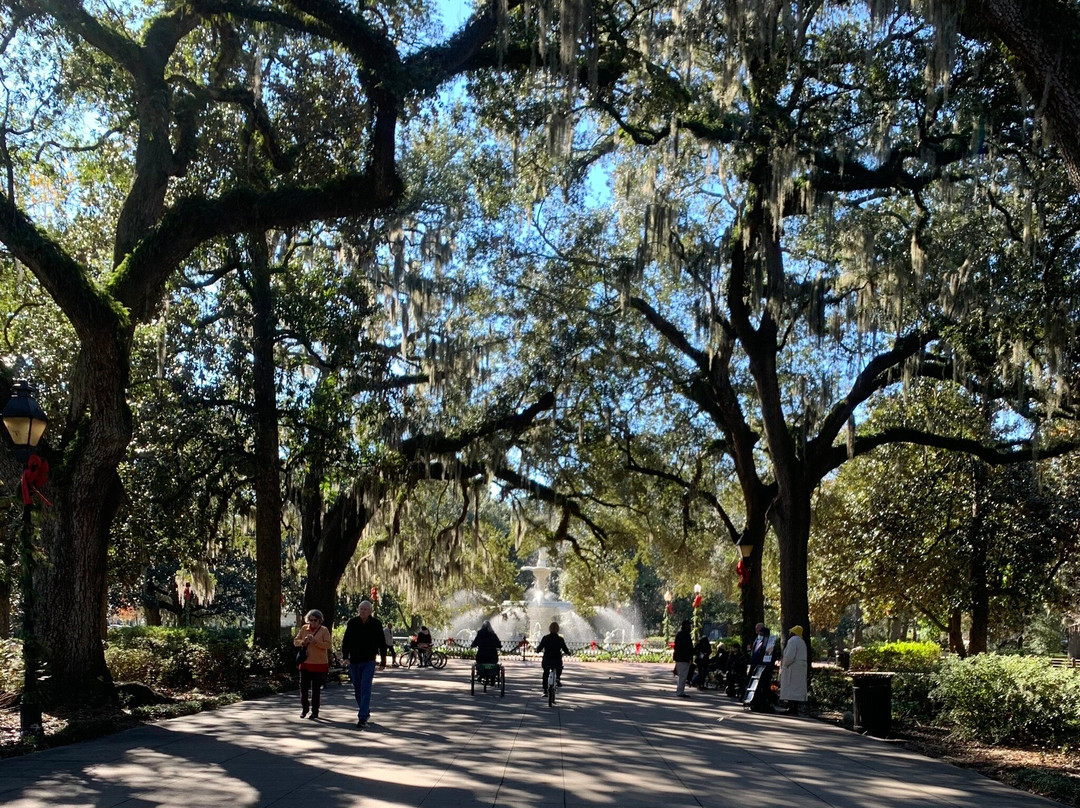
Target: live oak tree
162, 101
942, 536
796, 225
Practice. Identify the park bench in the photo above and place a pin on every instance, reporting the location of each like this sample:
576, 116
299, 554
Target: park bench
338, 668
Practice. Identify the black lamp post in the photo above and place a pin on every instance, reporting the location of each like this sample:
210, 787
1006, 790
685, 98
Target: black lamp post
25, 422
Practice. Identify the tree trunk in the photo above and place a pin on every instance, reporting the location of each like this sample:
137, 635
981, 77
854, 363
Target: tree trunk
74, 534
791, 523
752, 596
980, 590
1074, 641
956, 633
1040, 35
267, 480
329, 540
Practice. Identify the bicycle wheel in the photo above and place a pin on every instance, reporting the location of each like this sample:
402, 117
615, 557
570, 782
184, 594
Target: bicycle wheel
551, 689
472, 681
502, 681
438, 660
408, 660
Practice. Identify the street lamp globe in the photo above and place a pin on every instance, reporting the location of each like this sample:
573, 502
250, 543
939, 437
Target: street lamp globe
24, 420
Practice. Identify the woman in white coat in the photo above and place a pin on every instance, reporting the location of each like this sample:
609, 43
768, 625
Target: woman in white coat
793, 671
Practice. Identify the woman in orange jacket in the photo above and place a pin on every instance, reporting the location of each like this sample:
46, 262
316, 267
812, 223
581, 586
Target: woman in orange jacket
314, 638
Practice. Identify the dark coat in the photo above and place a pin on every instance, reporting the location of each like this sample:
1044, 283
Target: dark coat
362, 641
552, 646
684, 647
487, 645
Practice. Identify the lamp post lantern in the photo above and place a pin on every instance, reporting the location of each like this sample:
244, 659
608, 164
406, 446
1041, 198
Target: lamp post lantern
25, 423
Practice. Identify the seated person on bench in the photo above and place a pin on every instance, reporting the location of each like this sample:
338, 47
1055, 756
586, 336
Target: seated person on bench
487, 645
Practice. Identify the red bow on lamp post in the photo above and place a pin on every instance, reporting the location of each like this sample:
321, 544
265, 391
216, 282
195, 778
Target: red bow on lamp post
35, 477
697, 600
374, 594
742, 569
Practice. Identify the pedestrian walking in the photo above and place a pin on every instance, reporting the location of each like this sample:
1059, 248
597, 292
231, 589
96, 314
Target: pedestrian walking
362, 641
683, 655
793, 669
388, 636
315, 642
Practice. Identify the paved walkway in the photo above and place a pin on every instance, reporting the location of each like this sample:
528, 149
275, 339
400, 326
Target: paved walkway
617, 737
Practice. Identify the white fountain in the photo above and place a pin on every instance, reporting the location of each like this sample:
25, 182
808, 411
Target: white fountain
530, 617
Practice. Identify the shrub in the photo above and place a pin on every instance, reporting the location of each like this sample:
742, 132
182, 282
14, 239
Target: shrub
912, 697
182, 658
1009, 699
830, 690
11, 667
902, 657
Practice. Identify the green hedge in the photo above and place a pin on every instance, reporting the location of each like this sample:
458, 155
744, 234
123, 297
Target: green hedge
1009, 699
209, 660
830, 690
901, 657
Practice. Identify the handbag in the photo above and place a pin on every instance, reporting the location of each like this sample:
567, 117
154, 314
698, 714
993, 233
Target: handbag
301, 655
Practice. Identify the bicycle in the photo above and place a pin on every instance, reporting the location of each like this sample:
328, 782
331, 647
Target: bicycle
552, 684
411, 658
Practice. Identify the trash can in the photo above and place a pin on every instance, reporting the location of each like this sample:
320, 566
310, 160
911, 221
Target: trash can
873, 702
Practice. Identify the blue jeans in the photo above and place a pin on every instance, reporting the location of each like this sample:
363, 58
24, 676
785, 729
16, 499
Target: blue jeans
362, 674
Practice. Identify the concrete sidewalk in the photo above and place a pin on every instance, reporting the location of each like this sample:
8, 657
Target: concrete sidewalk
616, 737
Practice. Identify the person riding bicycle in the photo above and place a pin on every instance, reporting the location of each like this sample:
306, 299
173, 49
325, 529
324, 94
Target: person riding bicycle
424, 643
552, 646
487, 645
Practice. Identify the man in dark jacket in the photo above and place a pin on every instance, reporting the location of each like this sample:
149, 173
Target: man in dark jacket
363, 639
683, 655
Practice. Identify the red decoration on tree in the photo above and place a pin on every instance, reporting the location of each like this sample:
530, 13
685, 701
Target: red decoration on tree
697, 600
374, 594
34, 477
743, 570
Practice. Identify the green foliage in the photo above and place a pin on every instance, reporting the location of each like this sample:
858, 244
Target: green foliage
11, 668
1003, 699
909, 657
912, 697
183, 659
830, 690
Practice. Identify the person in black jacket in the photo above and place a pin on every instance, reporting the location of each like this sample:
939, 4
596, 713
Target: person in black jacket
487, 644
362, 641
683, 655
552, 646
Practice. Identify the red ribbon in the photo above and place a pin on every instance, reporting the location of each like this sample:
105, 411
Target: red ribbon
697, 601
743, 570
34, 477
671, 608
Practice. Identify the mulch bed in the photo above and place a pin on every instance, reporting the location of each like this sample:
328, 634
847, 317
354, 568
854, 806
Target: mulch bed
1054, 773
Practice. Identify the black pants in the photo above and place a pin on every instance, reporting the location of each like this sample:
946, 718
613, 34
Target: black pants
311, 681
547, 667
